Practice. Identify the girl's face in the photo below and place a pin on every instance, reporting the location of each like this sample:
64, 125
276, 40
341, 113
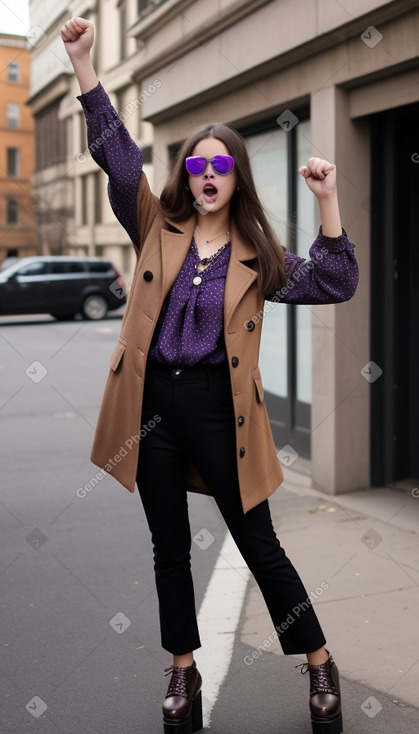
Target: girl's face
212, 191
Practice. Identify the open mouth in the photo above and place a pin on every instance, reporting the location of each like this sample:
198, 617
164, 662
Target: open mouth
210, 192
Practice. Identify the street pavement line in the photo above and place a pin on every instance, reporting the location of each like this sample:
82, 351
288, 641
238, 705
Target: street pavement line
218, 619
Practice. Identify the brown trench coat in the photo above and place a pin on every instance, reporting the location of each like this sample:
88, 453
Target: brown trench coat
164, 245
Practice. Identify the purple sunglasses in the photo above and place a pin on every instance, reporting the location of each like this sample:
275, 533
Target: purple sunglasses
222, 164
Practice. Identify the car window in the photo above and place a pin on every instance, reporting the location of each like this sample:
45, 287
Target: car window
37, 268
60, 268
99, 267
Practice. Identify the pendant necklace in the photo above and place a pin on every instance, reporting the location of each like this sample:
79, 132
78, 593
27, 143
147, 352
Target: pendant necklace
205, 261
207, 242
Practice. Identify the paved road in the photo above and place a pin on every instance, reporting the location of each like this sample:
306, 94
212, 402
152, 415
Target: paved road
79, 631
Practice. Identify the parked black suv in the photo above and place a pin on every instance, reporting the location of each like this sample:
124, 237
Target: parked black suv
61, 286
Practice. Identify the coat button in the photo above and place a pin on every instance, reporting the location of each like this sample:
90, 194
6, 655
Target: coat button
148, 275
250, 325
234, 361
240, 420
242, 451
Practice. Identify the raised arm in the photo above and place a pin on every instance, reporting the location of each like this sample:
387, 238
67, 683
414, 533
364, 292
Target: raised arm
331, 275
110, 144
78, 36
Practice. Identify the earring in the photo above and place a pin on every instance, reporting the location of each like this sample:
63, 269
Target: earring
187, 188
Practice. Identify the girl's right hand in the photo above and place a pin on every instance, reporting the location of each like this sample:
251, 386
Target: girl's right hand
78, 35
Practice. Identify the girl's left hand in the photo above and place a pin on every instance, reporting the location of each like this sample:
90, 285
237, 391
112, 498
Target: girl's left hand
320, 176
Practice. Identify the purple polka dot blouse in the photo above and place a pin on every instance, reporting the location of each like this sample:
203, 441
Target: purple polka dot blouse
192, 328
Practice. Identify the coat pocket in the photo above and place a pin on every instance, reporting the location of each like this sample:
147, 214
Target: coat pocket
117, 355
257, 379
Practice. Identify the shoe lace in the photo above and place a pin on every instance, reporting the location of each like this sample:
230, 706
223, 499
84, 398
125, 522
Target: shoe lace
321, 680
179, 681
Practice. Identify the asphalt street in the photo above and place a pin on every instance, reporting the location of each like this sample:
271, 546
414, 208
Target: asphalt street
79, 627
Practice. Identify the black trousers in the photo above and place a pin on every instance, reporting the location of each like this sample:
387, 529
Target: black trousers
188, 414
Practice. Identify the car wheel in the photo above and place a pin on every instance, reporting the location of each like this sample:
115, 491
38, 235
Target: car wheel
63, 316
94, 307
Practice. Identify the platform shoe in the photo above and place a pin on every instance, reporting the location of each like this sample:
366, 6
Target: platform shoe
325, 702
182, 708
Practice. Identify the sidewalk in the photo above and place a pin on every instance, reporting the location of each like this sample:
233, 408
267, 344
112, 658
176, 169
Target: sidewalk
358, 555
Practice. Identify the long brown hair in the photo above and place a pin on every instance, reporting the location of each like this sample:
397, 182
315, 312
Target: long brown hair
246, 209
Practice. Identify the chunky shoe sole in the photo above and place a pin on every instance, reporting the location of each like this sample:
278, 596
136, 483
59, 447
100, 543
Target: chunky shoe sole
327, 725
188, 725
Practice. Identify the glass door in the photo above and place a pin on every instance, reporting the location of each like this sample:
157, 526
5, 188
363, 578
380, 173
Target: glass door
285, 358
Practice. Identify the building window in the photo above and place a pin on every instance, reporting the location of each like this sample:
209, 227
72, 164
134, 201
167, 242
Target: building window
12, 211
268, 157
119, 100
13, 71
13, 161
97, 177
148, 154
147, 6
50, 138
122, 30
13, 115
304, 236
286, 350
84, 200
83, 133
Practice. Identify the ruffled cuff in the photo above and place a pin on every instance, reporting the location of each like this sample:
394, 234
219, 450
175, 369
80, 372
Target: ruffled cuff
95, 99
334, 244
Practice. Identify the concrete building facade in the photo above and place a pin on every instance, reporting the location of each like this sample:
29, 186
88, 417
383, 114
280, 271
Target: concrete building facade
296, 78
302, 77
50, 81
17, 211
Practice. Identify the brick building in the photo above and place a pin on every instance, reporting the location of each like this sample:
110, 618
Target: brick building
17, 211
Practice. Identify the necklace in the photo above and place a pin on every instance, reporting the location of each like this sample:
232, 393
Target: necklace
207, 242
205, 261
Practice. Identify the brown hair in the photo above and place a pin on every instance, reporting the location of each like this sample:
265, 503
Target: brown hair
246, 209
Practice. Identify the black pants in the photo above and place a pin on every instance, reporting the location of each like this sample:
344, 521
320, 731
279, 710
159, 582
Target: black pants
196, 415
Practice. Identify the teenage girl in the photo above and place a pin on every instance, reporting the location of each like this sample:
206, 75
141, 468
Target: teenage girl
183, 406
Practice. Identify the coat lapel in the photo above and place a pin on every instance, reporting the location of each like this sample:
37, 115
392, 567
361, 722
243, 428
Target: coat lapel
239, 276
174, 248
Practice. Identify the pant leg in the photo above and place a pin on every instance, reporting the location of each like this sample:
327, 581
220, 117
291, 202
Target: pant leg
210, 436
285, 596
161, 482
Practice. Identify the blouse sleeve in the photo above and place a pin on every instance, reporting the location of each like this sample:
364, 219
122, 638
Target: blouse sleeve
330, 275
113, 149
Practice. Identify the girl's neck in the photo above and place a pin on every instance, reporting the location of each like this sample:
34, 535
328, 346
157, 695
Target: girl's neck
211, 225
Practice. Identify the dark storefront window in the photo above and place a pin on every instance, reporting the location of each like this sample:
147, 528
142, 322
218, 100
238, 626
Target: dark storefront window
394, 326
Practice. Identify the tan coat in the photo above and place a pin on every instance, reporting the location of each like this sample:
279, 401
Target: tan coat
164, 245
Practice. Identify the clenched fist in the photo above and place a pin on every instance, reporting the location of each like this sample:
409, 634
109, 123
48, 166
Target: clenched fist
320, 176
78, 35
